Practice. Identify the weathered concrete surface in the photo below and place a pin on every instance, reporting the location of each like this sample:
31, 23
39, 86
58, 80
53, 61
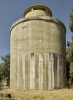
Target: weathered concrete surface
37, 53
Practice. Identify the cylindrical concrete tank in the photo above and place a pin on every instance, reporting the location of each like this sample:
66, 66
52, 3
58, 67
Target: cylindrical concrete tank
38, 49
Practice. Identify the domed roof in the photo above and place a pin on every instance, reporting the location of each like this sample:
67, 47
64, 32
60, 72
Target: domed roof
37, 7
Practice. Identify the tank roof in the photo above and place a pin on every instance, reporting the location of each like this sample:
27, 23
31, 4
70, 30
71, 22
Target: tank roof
37, 6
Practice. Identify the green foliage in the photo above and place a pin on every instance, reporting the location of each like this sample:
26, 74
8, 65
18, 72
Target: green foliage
69, 51
1, 72
39, 97
69, 57
71, 21
36, 96
5, 67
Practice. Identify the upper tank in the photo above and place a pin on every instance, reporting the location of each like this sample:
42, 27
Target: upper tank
37, 10
39, 29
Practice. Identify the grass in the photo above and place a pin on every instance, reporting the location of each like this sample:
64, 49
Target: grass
36, 96
62, 94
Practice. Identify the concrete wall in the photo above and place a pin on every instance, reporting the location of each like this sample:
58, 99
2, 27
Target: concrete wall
37, 54
38, 71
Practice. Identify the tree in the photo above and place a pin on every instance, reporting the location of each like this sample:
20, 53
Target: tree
1, 72
69, 51
71, 21
5, 67
69, 57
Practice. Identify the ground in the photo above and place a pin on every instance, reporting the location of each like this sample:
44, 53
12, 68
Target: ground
62, 94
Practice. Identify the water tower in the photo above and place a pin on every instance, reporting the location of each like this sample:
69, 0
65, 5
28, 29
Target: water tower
37, 51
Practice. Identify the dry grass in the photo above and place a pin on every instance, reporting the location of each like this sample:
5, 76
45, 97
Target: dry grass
63, 94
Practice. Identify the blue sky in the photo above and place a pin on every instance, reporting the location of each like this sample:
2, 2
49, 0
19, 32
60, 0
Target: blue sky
12, 10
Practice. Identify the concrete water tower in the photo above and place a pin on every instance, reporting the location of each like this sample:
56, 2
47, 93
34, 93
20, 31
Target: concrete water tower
37, 51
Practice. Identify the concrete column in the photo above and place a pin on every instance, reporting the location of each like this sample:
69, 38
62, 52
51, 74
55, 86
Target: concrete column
32, 72
44, 72
23, 71
50, 72
40, 71
52, 68
60, 71
36, 71
57, 71
27, 71
13, 73
64, 72
18, 73
47, 61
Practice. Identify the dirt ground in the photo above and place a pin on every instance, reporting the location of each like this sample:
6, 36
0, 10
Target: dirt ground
62, 94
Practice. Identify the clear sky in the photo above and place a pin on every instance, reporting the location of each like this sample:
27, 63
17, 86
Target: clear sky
12, 10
